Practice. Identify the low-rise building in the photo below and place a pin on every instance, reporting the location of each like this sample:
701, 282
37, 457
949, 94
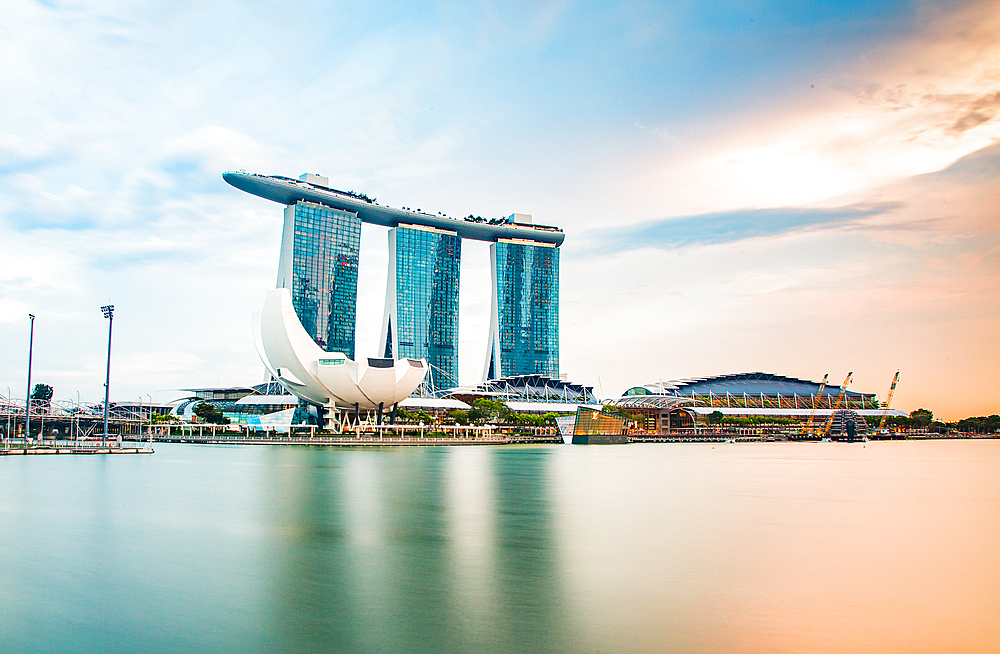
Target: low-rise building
746, 399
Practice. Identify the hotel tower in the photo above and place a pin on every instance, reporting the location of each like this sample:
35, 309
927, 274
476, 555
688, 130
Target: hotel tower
319, 265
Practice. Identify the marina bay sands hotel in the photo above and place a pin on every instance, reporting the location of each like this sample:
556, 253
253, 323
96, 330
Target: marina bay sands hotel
319, 265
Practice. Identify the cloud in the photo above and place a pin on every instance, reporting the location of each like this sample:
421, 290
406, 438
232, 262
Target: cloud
979, 166
195, 160
902, 108
913, 205
21, 155
980, 110
726, 227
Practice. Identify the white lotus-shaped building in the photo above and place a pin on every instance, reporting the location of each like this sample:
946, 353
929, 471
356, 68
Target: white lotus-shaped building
329, 379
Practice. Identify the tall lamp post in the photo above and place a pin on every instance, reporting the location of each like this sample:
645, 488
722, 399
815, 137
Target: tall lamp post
27, 401
109, 313
10, 409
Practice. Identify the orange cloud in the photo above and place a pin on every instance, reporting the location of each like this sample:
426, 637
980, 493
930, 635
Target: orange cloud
909, 108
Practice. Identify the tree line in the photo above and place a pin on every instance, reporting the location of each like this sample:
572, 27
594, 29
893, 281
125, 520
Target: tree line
924, 419
482, 412
918, 419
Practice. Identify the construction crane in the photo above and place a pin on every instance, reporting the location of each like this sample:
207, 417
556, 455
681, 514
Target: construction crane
816, 398
833, 411
888, 401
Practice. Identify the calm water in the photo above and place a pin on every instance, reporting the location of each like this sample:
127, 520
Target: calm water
783, 547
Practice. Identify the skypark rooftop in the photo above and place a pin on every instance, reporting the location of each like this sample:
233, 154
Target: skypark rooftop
289, 191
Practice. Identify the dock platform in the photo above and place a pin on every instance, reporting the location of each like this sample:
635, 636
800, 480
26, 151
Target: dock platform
74, 450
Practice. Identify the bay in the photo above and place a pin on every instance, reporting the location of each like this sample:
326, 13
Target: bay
756, 547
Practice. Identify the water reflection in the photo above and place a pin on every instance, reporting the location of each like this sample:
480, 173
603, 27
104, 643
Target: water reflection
890, 547
431, 550
530, 614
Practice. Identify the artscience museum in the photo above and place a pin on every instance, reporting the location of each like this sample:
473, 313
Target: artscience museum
330, 380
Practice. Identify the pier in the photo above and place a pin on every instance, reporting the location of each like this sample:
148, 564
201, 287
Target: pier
29, 450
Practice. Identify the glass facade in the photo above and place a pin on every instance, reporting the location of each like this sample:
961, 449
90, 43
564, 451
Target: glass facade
423, 324
324, 274
527, 305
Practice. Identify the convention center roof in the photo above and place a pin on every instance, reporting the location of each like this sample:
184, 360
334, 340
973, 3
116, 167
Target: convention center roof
751, 383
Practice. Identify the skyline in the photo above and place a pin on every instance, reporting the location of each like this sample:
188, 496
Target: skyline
797, 190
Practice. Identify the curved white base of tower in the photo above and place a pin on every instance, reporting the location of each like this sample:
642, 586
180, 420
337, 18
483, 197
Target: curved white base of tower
329, 379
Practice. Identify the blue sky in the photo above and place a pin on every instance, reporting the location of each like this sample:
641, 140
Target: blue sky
795, 188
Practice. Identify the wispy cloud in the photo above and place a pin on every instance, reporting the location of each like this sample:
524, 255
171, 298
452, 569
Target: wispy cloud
886, 215
21, 155
726, 227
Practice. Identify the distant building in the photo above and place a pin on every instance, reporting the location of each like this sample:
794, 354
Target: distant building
688, 403
530, 394
223, 399
750, 389
244, 405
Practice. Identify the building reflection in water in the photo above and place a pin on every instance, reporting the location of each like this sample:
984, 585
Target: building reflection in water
436, 550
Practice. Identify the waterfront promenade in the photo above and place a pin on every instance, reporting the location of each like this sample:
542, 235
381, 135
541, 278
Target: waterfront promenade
394, 435
366, 438
359, 435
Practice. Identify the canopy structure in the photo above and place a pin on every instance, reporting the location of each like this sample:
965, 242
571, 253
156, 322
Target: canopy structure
288, 191
652, 402
529, 389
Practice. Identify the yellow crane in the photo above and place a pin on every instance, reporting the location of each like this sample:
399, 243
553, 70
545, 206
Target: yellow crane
888, 401
816, 398
833, 412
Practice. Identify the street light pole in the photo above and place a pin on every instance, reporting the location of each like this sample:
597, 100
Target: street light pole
27, 400
10, 409
109, 313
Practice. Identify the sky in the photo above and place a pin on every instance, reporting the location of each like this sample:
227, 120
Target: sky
787, 187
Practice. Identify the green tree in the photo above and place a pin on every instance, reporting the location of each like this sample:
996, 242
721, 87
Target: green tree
412, 418
41, 396
715, 417
459, 417
980, 424
486, 411
922, 417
